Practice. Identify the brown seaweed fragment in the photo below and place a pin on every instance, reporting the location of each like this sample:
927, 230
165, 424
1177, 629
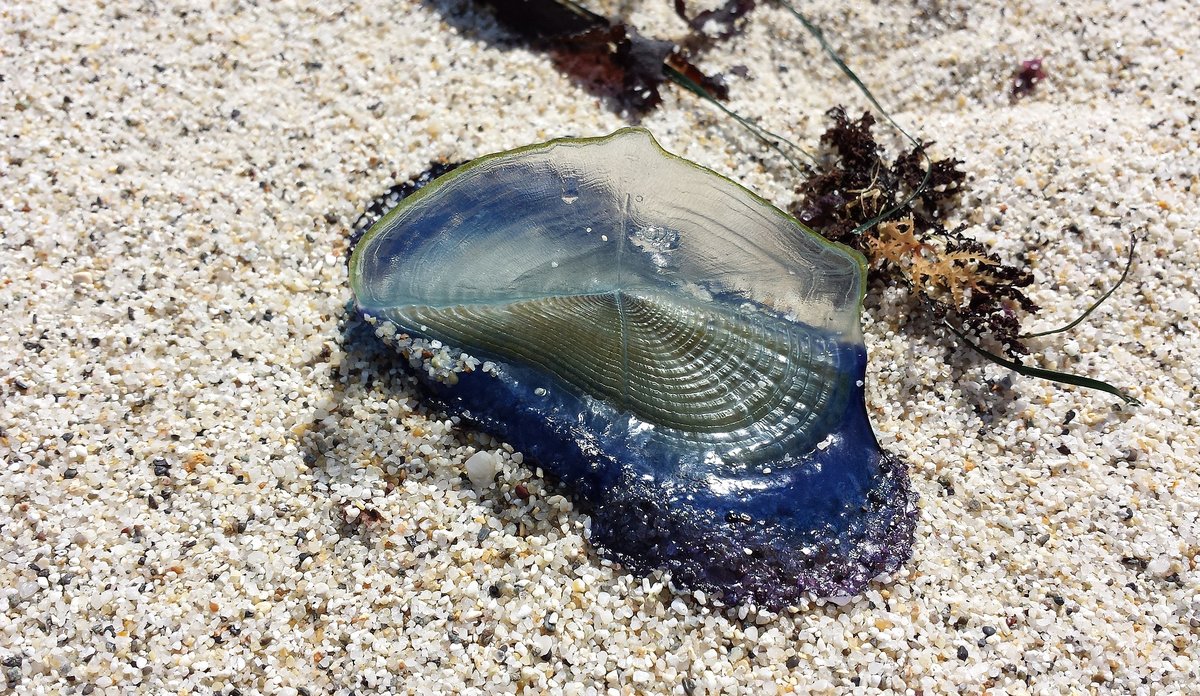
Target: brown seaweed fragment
718, 24
594, 48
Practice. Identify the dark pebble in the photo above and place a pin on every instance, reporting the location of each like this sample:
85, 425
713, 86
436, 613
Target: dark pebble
162, 467
71, 473
989, 631
792, 662
962, 652
689, 686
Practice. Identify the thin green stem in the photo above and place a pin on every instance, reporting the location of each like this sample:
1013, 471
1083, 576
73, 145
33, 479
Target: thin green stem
1042, 373
1095, 305
773, 140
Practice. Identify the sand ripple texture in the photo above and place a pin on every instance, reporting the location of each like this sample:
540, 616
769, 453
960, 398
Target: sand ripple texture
209, 484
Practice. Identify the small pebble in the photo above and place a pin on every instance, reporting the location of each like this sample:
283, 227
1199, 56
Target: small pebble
481, 469
1159, 567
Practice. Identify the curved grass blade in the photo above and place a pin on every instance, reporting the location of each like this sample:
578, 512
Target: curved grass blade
1042, 373
1133, 240
837, 59
772, 140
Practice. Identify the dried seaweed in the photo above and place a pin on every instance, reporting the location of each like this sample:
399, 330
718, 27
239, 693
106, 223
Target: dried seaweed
956, 276
708, 28
592, 47
718, 24
545, 19
893, 213
962, 284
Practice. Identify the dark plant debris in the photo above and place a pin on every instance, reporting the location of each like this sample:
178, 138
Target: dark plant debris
893, 214
595, 49
545, 19
1027, 77
957, 277
718, 24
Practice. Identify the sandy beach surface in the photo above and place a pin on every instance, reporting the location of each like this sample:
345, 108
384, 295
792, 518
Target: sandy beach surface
205, 487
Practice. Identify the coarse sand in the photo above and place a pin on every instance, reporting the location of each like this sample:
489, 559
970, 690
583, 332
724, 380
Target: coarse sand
213, 482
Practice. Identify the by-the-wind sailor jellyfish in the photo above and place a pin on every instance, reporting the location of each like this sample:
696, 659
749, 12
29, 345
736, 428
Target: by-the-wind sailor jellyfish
684, 357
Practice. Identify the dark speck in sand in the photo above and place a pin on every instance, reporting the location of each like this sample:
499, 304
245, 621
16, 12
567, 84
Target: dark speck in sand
1027, 77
